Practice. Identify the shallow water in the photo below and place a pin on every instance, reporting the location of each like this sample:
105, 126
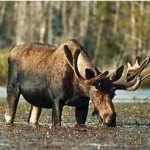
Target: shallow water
132, 131
141, 95
2, 92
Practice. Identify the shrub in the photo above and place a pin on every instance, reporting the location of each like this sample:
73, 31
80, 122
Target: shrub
3, 66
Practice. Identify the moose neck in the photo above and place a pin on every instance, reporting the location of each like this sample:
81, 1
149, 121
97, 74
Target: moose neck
81, 88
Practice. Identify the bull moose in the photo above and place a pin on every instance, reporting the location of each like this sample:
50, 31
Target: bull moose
52, 77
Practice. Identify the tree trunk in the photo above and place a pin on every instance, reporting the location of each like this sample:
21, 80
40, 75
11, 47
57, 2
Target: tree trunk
140, 35
133, 28
116, 17
44, 21
2, 11
20, 8
98, 43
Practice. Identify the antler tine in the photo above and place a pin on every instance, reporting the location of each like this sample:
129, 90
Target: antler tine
137, 61
130, 86
129, 65
145, 74
136, 68
134, 81
134, 85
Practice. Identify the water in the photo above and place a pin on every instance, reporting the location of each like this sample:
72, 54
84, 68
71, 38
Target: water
2, 92
141, 95
121, 96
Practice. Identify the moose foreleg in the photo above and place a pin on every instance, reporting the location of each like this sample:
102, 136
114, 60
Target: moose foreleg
81, 115
81, 105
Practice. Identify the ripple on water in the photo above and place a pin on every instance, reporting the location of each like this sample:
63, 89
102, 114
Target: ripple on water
100, 145
4, 143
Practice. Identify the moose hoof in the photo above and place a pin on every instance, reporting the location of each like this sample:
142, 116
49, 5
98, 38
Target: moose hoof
8, 119
33, 124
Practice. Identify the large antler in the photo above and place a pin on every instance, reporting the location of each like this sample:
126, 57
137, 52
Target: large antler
134, 72
73, 63
135, 75
136, 68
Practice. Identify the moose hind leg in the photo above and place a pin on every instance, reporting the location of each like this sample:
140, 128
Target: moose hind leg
81, 111
34, 115
13, 94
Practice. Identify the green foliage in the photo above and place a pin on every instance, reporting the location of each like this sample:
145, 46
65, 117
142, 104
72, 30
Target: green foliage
124, 31
110, 31
9, 6
3, 66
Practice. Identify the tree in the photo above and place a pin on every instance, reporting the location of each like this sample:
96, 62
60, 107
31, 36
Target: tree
109, 31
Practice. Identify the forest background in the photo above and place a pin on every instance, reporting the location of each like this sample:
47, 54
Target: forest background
111, 32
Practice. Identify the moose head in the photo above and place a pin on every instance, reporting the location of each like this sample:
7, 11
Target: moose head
101, 88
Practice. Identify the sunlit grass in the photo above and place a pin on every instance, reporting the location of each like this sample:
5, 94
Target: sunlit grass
3, 66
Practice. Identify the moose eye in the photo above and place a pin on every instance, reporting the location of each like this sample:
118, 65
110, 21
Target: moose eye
99, 84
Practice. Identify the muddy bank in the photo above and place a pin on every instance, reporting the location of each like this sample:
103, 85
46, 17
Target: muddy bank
132, 131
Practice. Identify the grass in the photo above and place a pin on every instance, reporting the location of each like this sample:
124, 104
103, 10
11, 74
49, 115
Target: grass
3, 66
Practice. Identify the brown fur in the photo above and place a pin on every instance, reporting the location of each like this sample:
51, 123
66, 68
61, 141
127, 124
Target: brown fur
42, 74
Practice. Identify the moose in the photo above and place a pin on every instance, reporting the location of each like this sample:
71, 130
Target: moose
48, 76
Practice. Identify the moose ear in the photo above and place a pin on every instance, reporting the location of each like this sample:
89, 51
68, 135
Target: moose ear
89, 73
117, 74
68, 55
